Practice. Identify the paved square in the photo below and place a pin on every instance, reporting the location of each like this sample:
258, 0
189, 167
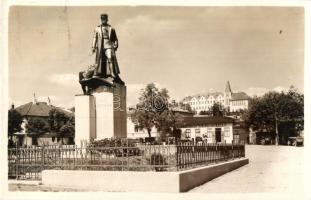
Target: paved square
270, 169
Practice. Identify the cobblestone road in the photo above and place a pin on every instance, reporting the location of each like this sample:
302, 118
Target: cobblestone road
271, 169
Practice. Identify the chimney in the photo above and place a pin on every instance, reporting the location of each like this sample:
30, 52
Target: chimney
49, 101
34, 99
12, 106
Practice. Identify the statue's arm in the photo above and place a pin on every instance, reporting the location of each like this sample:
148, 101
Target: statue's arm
95, 38
114, 38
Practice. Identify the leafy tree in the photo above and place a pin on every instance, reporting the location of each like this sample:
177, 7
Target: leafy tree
37, 126
153, 110
277, 111
185, 106
216, 109
57, 119
66, 130
14, 122
61, 123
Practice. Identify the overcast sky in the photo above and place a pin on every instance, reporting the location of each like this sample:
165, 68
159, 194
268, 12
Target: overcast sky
188, 50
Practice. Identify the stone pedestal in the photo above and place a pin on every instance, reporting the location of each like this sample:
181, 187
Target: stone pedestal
102, 114
84, 118
119, 108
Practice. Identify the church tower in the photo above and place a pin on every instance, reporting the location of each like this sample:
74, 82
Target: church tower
228, 94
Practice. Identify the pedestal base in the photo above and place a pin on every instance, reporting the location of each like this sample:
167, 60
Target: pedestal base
102, 114
84, 118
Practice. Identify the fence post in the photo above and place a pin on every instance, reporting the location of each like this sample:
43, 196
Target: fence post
127, 154
17, 161
176, 145
42, 158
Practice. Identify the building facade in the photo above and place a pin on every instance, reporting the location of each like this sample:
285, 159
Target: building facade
134, 132
209, 129
227, 99
40, 110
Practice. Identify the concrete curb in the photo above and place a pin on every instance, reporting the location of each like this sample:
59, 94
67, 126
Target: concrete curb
24, 182
133, 181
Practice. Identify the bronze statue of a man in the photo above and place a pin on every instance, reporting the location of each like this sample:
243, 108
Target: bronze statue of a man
105, 44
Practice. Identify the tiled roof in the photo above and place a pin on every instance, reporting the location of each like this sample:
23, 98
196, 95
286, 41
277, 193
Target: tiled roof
40, 109
207, 95
201, 121
239, 96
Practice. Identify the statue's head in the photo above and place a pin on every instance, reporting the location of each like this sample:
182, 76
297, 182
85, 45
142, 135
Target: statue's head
104, 18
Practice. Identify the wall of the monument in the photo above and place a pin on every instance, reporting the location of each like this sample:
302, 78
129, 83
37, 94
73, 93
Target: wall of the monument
85, 128
104, 112
119, 105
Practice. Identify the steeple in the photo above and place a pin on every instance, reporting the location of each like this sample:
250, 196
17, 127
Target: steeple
228, 88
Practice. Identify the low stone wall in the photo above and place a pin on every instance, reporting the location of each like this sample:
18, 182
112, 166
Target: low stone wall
131, 181
195, 177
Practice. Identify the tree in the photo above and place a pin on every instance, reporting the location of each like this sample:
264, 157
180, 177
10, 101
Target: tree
153, 110
185, 106
276, 111
66, 130
37, 126
14, 122
56, 119
216, 109
61, 123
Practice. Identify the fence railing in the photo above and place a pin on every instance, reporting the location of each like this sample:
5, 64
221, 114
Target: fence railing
28, 163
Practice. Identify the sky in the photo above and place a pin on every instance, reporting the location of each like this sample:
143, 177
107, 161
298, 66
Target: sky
187, 50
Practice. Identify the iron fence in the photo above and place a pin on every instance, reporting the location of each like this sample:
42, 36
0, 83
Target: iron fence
28, 163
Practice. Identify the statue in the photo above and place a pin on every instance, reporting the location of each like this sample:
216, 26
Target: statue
105, 44
106, 69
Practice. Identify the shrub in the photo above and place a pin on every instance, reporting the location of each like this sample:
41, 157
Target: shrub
157, 159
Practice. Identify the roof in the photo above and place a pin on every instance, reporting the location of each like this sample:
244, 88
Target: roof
239, 96
188, 98
228, 87
206, 95
201, 121
40, 109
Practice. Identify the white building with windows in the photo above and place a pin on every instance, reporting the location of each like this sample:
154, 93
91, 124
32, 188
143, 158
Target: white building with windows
210, 129
227, 99
134, 132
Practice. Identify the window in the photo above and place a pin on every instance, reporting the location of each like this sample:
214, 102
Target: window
197, 132
188, 133
236, 139
34, 141
209, 132
227, 131
136, 129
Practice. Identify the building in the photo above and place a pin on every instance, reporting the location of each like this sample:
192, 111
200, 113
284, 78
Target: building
233, 101
216, 129
134, 132
39, 110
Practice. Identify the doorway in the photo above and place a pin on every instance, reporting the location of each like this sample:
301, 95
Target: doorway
218, 134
